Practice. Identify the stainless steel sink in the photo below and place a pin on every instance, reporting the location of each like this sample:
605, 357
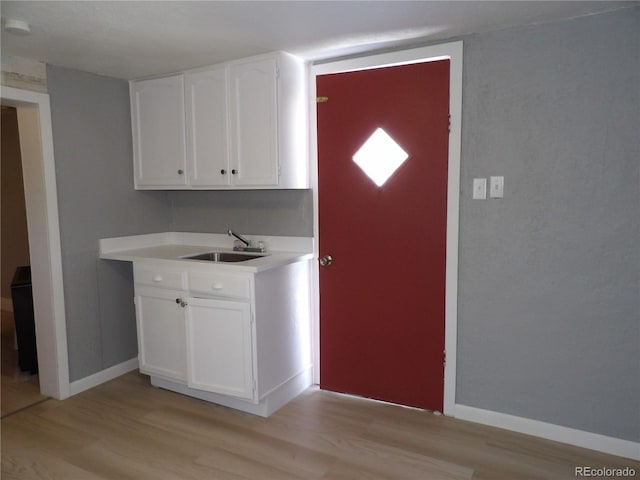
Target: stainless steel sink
223, 257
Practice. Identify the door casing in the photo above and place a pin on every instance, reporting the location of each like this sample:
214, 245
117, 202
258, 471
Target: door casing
453, 52
36, 144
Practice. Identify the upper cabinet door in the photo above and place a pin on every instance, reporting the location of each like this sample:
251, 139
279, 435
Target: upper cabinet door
254, 123
206, 104
159, 153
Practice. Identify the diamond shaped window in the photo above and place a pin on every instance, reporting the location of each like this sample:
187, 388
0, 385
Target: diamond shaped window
380, 156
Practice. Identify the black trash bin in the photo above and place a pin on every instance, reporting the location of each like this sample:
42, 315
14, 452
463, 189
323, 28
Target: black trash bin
22, 297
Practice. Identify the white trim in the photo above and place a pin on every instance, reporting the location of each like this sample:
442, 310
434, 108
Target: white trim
36, 143
579, 438
7, 304
103, 376
453, 52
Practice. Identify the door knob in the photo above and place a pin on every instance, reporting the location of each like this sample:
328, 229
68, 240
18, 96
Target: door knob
326, 260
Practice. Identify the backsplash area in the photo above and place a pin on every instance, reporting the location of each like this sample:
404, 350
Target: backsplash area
267, 212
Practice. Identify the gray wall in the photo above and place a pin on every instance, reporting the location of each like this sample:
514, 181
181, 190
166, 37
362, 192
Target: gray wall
96, 199
549, 294
264, 212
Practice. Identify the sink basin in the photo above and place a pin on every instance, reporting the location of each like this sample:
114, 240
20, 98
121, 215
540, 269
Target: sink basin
223, 257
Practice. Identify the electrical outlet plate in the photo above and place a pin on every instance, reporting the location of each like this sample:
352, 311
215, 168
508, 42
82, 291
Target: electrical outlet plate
479, 188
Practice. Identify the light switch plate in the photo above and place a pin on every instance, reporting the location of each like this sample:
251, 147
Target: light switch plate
479, 188
496, 187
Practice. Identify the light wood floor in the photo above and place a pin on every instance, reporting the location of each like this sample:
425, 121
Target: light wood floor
18, 389
126, 429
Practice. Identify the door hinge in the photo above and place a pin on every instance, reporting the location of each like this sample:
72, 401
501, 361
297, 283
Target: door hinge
322, 99
449, 126
444, 361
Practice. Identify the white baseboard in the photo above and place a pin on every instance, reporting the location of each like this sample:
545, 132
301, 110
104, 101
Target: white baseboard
103, 376
7, 304
579, 438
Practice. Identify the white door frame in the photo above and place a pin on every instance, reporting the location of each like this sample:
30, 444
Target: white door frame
36, 144
453, 52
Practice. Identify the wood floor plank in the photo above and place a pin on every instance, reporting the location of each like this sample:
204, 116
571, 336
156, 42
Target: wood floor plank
127, 429
244, 441
17, 389
40, 466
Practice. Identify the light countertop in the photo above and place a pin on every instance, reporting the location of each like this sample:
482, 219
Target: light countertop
169, 248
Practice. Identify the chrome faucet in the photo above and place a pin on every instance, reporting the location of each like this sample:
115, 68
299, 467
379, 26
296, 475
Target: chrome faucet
247, 243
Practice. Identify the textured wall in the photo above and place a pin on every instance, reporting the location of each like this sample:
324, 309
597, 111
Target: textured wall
263, 212
15, 240
549, 299
93, 154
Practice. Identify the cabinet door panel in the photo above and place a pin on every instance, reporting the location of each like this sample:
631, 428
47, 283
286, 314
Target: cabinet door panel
254, 123
206, 96
161, 335
219, 348
159, 132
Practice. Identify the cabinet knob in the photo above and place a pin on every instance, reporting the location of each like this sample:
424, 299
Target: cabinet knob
180, 171
223, 171
234, 171
157, 278
181, 302
217, 286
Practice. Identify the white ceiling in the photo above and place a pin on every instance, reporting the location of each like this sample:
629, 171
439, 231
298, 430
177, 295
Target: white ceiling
133, 39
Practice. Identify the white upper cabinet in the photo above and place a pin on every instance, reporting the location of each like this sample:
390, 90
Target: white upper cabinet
243, 125
254, 122
159, 153
206, 99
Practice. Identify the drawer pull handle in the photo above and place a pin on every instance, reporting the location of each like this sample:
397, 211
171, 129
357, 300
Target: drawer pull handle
157, 278
217, 286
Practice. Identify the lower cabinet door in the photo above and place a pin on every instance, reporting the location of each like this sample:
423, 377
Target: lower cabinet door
161, 334
219, 347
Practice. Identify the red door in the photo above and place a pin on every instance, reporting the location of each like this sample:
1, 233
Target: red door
382, 296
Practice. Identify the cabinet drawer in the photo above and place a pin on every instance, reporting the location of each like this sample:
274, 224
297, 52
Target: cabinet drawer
159, 277
222, 285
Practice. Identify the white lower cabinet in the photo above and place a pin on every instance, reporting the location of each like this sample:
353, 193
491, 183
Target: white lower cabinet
219, 347
229, 337
161, 333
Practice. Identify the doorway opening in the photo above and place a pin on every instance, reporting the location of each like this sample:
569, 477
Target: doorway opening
20, 383
41, 202
453, 53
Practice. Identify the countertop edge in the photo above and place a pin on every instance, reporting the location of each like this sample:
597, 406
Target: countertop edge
168, 248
